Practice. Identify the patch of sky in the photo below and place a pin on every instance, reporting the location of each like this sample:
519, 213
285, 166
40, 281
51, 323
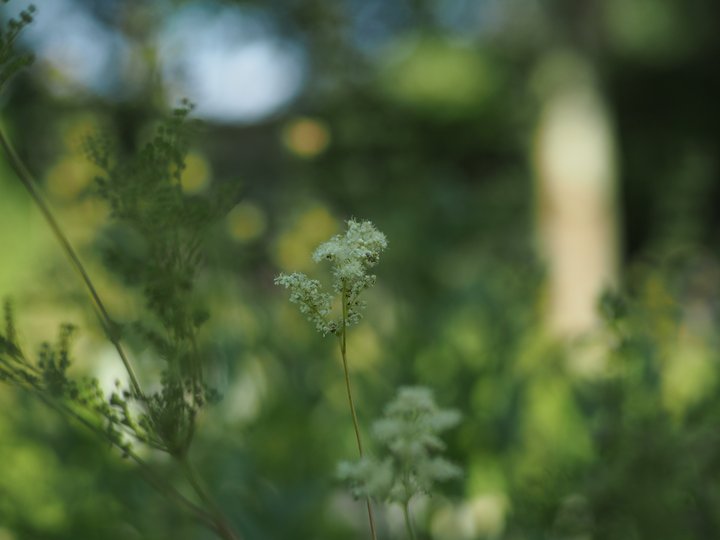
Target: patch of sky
374, 23
377, 24
230, 62
469, 18
80, 52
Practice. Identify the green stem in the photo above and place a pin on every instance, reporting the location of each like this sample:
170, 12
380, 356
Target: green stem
221, 525
408, 521
23, 174
148, 474
343, 352
356, 426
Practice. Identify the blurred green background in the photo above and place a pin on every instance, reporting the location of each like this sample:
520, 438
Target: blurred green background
547, 175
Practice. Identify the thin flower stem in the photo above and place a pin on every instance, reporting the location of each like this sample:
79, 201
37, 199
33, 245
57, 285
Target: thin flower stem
349, 391
222, 527
408, 521
356, 426
27, 181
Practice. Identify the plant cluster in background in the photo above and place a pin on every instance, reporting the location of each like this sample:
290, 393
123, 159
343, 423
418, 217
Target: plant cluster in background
409, 463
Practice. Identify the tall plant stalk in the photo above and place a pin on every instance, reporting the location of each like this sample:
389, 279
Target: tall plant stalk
351, 255
408, 521
356, 427
23, 174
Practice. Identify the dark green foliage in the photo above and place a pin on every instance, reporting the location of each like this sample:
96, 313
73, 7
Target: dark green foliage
653, 470
12, 62
54, 363
165, 225
154, 243
48, 378
146, 198
157, 234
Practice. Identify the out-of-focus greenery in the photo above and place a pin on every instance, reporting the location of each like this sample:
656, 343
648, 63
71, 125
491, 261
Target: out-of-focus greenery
417, 115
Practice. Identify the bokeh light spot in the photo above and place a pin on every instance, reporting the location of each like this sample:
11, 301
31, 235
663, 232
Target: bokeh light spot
438, 75
69, 177
294, 248
197, 173
366, 346
306, 137
246, 222
230, 61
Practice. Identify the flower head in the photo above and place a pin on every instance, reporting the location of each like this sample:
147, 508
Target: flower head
351, 255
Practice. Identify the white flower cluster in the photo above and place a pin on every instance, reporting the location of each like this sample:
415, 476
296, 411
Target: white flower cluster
307, 293
408, 433
351, 256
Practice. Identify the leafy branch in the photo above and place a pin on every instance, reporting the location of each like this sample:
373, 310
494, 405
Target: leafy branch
145, 195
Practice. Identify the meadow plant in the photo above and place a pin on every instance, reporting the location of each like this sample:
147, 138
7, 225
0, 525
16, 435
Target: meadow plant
351, 255
408, 433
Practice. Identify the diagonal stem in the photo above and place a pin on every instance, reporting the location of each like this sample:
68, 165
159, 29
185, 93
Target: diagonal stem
215, 521
150, 476
221, 525
27, 181
408, 521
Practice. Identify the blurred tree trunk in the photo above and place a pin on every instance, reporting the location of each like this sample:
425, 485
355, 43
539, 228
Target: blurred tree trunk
575, 168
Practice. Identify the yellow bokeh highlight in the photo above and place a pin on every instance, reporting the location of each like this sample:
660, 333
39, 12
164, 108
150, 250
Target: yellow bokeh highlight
246, 222
23, 238
553, 424
29, 483
306, 137
294, 248
196, 176
438, 74
366, 347
688, 377
77, 129
69, 177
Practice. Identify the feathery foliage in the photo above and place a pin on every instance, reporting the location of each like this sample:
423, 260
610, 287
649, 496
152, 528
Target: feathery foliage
155, 244
11, 62
47, 376
146, 199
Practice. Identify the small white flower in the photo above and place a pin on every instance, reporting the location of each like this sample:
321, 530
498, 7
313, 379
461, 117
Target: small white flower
307, 293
